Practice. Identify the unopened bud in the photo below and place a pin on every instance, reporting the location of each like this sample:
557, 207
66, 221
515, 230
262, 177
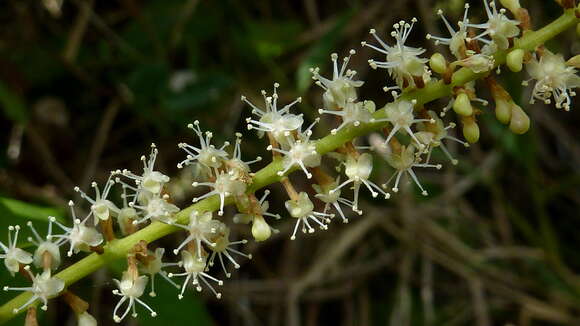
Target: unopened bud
470, 130
438, 63
520, 122
574, 61
503, 110
462, 105
85, 319
512, 5
515, 60
260, 229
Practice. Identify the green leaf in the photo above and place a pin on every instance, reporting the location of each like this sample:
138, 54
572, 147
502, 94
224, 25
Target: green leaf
21, 210
14, 212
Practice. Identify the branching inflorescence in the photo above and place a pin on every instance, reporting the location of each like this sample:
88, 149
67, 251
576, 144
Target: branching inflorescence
406, 131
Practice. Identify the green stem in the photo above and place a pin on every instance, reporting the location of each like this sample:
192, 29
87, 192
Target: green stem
118, 249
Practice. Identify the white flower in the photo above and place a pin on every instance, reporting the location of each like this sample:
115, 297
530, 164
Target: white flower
477, 62
456, 42
44, 286
300, 153
157, 208
498, 27
200, 228
207, 155
150, 180
353, 113
131, 287
433, 134
154, 266
554, 78
236, 167
101, 207
330, 195
400, 115
302, 209
80, 236
223, 247
404, 162
279, 123
358, 170
225, 185
127, 214
195, 271
402, 62
46, 245
341, 88
14, 256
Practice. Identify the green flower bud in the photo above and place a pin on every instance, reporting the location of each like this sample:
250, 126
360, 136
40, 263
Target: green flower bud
520, 122
471, 131
515, 60
260, 229
503, 110
85, 319
574, 62
462, 105
438, 63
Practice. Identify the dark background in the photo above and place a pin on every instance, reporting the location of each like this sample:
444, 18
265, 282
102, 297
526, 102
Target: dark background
86, 86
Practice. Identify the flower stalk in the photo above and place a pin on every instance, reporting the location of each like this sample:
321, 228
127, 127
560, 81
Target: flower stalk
116, 249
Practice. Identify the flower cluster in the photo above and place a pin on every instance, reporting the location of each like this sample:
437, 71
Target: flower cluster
142, 200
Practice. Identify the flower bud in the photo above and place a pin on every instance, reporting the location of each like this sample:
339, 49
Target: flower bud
470, 130
503, 110
125, 218
515, 60
438, 63
512, 5
520, 122
85, 319
574, 61
260, 229
462, 105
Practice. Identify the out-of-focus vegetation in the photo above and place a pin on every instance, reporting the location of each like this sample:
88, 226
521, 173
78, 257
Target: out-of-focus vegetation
86, 86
